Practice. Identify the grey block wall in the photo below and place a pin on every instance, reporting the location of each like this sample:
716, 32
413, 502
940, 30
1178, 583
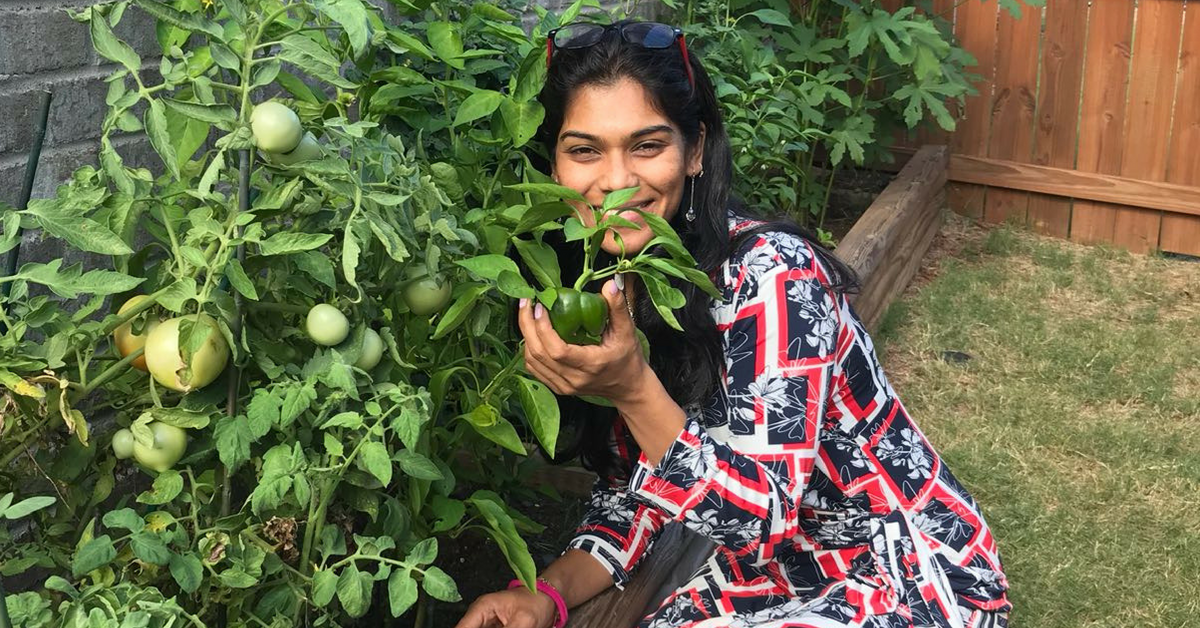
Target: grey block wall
42, 48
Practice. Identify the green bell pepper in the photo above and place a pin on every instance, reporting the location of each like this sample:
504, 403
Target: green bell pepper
579, 317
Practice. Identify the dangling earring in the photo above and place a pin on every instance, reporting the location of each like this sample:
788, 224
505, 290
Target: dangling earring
691, 211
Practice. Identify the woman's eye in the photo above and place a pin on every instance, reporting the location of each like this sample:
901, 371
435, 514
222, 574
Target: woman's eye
649, 147
579, 150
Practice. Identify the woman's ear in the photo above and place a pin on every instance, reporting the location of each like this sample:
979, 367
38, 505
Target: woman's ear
696, 162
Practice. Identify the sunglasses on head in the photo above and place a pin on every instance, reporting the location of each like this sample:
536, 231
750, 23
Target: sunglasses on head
651, 35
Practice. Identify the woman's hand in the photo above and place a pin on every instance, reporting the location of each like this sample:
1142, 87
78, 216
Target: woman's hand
514, 608
613, 369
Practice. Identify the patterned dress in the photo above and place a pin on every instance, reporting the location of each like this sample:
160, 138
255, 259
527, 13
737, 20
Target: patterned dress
828, 506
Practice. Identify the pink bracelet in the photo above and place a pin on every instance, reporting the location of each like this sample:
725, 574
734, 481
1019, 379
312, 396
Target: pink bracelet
560, 607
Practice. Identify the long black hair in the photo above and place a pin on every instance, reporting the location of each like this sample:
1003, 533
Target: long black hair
688, 363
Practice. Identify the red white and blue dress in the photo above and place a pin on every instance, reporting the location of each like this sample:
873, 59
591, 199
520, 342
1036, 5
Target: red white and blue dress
828, 505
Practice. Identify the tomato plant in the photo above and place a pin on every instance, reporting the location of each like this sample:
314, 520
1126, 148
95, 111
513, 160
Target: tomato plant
286, 481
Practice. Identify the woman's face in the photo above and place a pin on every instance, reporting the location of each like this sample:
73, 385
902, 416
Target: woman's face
613, 138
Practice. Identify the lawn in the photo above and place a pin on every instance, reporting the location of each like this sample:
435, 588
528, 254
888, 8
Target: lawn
1061, 383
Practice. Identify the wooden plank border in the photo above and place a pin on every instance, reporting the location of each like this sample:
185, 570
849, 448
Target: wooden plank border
1180, 199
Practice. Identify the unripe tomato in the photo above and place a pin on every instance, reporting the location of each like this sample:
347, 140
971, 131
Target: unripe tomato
126, 341
170, 443
166, 362
372, 351
307, 150
122, 444
276, 127
326, 325
428, 295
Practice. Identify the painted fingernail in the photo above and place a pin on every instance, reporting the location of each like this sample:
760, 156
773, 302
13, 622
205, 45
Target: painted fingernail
537, 311
523, 303
611, 287
619, 279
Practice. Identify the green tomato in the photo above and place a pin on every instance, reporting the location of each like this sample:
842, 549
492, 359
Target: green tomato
307, 150
372, 350
428, 295
276, 127
165, 358
122, 444
326, 325
169, 445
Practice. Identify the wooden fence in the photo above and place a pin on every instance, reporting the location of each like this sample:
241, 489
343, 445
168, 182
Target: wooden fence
1087, 122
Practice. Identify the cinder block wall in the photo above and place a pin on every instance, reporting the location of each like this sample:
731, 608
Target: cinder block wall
41, 48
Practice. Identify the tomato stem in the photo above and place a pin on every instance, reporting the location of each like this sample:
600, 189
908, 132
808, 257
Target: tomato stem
112, 371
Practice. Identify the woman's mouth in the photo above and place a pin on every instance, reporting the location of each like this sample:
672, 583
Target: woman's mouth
628, 211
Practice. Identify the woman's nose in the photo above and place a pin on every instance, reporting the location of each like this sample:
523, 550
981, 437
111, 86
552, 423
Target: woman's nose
619, 175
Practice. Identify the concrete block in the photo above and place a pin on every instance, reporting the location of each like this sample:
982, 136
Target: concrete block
76, 110
42, 38
57, 164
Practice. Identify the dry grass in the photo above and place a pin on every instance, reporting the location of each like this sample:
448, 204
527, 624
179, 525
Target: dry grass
1076, 421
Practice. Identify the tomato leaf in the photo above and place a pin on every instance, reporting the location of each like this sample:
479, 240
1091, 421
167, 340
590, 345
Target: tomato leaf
402, 592
233, 438
81, 232
375, 460
155, 120
124, 519
187, 571
415, 465
93, 555
440, 585
284, 243
167, 486
311, 58
354, 591
352, 15
239, 280
324, 586
148, 547
111, 48
459, 310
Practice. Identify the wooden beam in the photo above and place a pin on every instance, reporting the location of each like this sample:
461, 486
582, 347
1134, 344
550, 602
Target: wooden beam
1169, 197
1180, 199
887, 243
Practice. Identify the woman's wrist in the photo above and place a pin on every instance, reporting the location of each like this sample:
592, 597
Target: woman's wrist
552, 601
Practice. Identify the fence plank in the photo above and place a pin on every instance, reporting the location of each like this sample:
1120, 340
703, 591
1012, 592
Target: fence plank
1102, 113
975, 27
1148, 125
1058, 107
1181, 234
1014, 107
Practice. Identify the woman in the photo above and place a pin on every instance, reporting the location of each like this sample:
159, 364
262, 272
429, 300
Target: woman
768, 425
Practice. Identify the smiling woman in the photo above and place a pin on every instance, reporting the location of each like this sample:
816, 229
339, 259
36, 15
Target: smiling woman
766, 424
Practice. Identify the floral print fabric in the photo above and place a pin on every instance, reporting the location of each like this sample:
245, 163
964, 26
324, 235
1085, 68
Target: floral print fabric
828, 506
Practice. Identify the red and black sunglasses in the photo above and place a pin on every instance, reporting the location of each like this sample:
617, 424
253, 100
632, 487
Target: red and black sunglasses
651, 35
